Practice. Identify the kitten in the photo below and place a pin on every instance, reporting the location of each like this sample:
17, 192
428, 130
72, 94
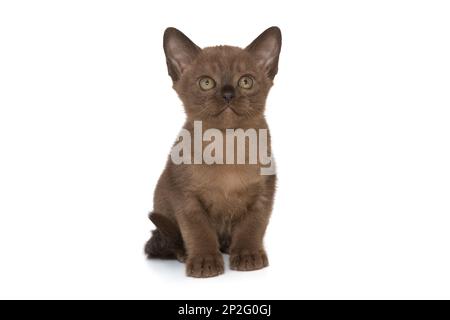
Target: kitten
203, 210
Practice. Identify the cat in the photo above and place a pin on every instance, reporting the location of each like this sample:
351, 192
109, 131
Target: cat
204, 210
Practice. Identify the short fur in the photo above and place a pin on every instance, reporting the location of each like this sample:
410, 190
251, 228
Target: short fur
202, 210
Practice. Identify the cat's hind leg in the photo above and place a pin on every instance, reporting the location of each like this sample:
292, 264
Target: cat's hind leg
166, 241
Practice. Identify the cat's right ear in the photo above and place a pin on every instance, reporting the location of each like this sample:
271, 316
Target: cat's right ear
179, 50
266, 50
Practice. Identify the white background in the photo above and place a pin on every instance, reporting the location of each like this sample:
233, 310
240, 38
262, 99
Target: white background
359, 114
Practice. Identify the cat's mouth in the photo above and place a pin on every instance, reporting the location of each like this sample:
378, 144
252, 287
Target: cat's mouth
225, 108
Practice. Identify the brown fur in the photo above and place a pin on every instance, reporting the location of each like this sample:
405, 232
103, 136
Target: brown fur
202, 210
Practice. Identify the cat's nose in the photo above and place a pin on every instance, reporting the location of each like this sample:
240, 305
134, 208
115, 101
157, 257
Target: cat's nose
228, 93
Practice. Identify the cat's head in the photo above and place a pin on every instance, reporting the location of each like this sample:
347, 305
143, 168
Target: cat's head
225, 85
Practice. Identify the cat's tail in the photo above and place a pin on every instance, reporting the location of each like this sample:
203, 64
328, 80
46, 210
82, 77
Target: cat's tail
166, 241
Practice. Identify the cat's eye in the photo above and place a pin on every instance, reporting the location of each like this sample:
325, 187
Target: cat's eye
206, 83
246, 82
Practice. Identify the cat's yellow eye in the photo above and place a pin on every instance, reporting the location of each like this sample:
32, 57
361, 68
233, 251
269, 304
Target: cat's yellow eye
206, 83
246, 82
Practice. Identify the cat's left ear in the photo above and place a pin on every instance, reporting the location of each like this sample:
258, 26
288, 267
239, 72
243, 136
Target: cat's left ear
266, 50
180, 52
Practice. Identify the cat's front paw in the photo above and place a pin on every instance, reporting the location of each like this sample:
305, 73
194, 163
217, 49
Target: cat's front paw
204, 266
247, 260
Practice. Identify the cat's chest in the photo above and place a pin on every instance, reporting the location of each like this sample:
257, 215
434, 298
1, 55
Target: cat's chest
226, 189
225, 178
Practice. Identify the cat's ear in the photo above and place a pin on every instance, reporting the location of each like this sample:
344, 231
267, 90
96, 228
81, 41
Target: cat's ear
179, 50
266, 50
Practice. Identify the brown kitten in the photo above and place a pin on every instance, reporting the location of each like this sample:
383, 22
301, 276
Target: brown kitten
201, 210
